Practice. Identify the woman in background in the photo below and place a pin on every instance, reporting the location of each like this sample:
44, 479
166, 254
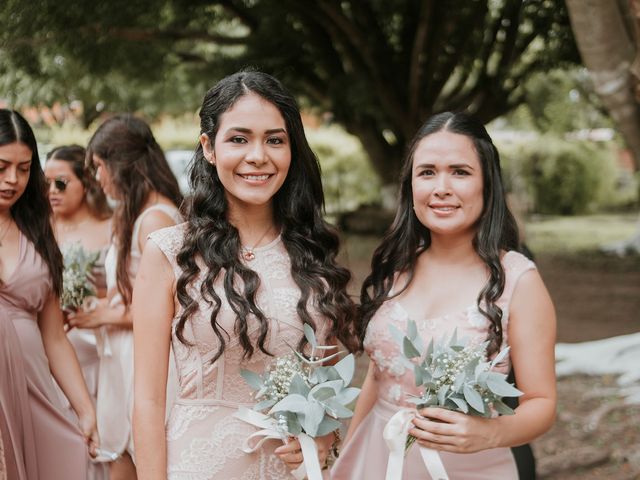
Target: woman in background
81, 216
133, 170
39, 440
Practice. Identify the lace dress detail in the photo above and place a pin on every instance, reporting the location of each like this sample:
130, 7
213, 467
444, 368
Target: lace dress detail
203, 439
359, 459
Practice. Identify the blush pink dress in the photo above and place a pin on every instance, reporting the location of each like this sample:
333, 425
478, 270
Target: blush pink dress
40, 442
203, 438
366, 454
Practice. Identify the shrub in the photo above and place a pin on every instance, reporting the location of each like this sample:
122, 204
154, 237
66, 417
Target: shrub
347, 176
562, 177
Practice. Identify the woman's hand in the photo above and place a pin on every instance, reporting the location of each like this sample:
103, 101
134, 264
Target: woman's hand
93, 317
89, 428
291, 452
450, 431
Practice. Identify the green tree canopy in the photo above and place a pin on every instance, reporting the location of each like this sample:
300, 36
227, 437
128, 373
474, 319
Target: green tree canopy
380, 66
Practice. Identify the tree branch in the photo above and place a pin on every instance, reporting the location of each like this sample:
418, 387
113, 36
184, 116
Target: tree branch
147, 34
417, 55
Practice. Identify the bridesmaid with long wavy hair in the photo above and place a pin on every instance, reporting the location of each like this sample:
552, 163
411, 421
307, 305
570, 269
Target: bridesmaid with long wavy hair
132, 170
39, 441
233, 286
450, 262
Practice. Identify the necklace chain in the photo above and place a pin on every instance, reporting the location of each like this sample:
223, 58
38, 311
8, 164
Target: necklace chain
247, 252
6, 230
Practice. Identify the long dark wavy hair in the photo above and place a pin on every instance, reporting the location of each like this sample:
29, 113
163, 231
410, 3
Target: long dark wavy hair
96, 200
138, 167
32, 211
496, 229
298, 205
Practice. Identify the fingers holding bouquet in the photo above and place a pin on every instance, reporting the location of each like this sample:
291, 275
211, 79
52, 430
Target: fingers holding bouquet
91, 314
450, 431
291, 452
304, 403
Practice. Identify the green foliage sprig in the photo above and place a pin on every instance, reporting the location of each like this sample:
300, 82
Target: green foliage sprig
76, 276
455, 375
303, 396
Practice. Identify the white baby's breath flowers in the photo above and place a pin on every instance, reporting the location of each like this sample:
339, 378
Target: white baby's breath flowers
279, 377
76, 281
301, 394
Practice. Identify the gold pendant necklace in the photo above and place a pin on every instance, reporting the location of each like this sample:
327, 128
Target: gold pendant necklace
247, 252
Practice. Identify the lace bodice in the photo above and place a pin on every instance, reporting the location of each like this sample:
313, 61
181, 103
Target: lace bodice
277, 297
394, 379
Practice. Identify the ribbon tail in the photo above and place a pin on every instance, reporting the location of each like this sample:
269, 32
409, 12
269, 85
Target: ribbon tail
267, 425
395, 466
311, 465
433, 462
395, 435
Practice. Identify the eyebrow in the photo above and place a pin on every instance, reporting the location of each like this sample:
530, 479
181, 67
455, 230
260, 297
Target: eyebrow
454, 166
248, 130
22, 162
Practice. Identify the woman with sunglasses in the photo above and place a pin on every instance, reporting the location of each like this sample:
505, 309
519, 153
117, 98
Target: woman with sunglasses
39, 439
81, 215
133, 170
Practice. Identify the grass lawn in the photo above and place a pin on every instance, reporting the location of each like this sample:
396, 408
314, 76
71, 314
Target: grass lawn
555, 234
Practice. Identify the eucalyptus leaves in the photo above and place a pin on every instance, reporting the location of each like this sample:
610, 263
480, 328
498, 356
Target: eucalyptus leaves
455, 375
302, 396
76, 276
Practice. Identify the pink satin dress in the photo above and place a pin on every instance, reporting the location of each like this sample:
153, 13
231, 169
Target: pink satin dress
366, 454
39, 440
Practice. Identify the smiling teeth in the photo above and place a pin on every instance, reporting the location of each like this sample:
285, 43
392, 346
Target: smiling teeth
444, 209
256, 177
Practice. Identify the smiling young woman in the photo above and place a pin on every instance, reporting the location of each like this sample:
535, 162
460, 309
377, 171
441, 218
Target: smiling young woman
449, 263
233, 286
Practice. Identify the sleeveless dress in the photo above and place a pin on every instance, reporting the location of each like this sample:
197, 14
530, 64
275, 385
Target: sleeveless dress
203, 438
40, 442
114, 407
366, 454
85, 346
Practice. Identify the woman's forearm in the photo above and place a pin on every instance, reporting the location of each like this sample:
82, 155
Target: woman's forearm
119, 316
150, 439
366, 400
65, 368
532, 418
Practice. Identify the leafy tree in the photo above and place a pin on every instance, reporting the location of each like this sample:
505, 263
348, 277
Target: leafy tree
561, 100
380, 66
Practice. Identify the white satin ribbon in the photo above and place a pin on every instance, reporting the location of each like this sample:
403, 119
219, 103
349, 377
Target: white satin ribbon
310, 467
395, 435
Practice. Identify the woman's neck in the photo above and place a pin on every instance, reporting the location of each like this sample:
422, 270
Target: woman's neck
81, 215
256, 225
451, 248
5, 216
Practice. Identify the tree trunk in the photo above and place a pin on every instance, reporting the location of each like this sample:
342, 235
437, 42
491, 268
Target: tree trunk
608, 51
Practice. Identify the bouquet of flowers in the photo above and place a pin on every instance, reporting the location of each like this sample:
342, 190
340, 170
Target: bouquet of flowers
455, 375
301, 398
76, 276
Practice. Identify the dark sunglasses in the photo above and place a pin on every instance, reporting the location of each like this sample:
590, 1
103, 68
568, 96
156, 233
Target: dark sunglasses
59, 183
